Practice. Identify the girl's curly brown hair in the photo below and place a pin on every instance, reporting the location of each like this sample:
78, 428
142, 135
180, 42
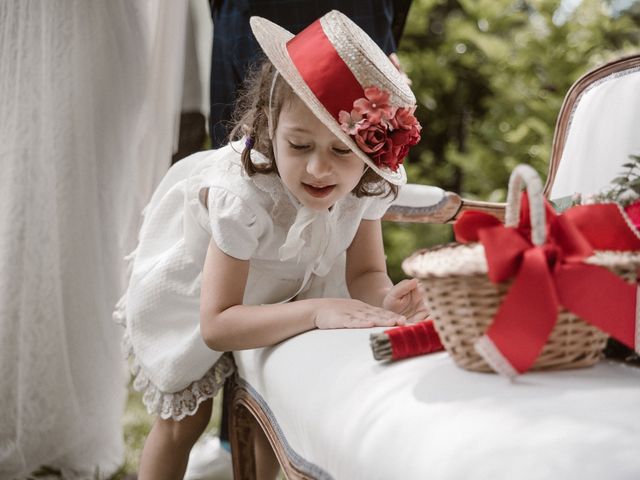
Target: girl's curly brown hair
251, 120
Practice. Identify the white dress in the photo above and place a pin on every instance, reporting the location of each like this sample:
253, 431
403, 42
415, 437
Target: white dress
86, 131
293, 252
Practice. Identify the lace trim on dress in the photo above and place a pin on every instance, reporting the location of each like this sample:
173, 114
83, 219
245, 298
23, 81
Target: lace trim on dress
175, 405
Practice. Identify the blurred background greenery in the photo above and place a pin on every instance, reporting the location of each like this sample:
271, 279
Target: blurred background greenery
490, 77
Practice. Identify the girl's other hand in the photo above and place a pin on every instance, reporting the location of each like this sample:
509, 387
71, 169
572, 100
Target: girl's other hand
406, 298
350, 313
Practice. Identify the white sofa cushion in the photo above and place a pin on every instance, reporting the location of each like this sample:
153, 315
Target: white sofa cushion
346, 416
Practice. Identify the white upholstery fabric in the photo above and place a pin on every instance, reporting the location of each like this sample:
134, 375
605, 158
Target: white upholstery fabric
603, 133
356, 418
416, 196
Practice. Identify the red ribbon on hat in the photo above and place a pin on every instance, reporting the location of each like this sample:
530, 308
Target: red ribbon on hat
553, 275
323, 70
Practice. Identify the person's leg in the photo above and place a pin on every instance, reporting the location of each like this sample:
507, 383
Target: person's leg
230, 22
166, 450
234, 49
267, 466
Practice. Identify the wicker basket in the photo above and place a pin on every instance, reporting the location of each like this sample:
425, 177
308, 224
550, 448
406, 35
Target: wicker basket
463, 301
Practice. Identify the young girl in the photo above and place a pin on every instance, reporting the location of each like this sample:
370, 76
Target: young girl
273, 235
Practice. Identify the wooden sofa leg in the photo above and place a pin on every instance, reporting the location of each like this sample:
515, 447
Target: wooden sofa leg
246, 418
241, 435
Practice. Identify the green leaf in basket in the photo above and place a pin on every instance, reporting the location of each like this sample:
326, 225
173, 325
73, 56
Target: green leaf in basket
620, 180
563, 203
635, 183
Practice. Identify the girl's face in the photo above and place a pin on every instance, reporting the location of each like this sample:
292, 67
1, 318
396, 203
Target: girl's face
313, 163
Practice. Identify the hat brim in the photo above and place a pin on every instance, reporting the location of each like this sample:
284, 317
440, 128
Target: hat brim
273, 40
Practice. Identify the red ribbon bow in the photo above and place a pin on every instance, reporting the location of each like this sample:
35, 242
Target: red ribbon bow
550, 276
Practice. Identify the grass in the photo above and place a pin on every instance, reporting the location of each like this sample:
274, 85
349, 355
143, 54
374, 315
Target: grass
137, 423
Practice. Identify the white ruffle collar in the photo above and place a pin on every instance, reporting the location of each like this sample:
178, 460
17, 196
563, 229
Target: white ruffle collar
311, 229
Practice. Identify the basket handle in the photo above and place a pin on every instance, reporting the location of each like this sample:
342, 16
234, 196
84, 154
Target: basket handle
533, 184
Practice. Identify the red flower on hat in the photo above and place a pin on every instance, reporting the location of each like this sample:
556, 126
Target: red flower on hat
382, 131
352, 122
375, 105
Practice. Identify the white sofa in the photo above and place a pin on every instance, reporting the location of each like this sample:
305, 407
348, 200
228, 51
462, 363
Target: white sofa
336, 413
333, 412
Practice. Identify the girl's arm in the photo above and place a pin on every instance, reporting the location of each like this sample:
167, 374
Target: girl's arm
367, 278
366, 271
226, 324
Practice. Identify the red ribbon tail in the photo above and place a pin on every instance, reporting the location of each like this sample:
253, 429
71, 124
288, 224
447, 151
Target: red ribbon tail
524, 320
492, 355
601, 298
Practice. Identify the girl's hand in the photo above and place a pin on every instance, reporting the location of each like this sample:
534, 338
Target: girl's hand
350, 313
407, 299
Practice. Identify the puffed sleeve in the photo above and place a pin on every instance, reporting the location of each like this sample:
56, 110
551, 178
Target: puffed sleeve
235, 224
377, 207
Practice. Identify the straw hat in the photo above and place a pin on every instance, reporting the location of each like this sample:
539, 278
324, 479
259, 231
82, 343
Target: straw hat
343, 77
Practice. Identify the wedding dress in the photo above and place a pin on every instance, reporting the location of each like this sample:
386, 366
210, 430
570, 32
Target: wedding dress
89, 100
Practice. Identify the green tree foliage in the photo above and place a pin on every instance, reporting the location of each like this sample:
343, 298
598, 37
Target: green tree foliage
490, 77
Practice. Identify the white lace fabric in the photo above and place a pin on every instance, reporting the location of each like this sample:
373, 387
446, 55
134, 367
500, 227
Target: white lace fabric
86, 122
